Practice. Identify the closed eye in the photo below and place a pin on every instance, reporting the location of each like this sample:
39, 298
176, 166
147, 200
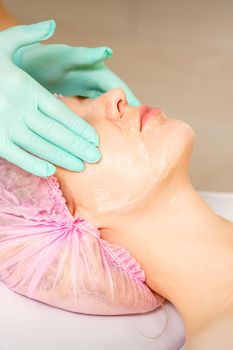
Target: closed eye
80, 98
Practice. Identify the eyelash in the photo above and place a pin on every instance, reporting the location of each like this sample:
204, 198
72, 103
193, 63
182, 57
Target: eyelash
82, 97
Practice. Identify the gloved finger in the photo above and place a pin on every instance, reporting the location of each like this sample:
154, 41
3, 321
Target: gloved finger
109, 80
15, 37
28, 162
97, 81
94, 93
84, 56
41, 148
58, 111
59, 135
131, 98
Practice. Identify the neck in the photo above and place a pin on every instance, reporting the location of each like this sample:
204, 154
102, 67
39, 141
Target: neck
186, 252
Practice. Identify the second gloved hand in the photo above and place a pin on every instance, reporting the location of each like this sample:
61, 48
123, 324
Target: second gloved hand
71, 71
32, 120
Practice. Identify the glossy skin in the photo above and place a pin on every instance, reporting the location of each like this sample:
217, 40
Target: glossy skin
134, 162
175, 215
140, 196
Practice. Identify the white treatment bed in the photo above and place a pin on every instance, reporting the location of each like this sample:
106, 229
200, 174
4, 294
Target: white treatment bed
29, 325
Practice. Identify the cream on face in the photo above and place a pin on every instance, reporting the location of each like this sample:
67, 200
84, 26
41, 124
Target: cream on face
134, 162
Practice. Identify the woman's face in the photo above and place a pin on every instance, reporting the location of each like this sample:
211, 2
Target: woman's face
140, 149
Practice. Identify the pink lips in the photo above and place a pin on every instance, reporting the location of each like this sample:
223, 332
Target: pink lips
146, 113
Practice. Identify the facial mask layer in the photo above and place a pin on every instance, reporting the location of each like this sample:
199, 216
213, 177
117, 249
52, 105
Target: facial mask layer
124, 177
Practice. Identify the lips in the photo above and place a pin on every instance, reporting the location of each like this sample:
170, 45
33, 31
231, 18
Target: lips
146, 113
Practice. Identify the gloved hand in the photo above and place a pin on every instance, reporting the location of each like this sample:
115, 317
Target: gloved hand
71, 71
33, 120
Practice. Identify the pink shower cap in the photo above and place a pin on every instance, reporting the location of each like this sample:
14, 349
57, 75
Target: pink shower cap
47, 255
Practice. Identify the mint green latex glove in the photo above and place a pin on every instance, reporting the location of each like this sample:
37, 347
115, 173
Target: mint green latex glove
71, 71
32, 121
95, 81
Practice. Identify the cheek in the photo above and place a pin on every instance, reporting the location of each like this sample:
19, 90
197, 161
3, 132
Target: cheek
121, 177
130, 169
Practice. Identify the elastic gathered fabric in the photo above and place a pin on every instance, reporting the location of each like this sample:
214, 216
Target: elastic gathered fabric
48, 255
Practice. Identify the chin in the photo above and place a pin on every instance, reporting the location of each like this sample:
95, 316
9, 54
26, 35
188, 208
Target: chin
188, 135
185, 137
180, 132
180, 141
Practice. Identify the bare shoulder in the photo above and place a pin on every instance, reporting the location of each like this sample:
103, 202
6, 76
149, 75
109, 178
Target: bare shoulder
216, 335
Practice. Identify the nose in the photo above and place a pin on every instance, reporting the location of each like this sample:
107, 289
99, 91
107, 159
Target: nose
115, 102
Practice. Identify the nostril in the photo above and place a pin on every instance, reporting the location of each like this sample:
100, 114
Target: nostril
119, 105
